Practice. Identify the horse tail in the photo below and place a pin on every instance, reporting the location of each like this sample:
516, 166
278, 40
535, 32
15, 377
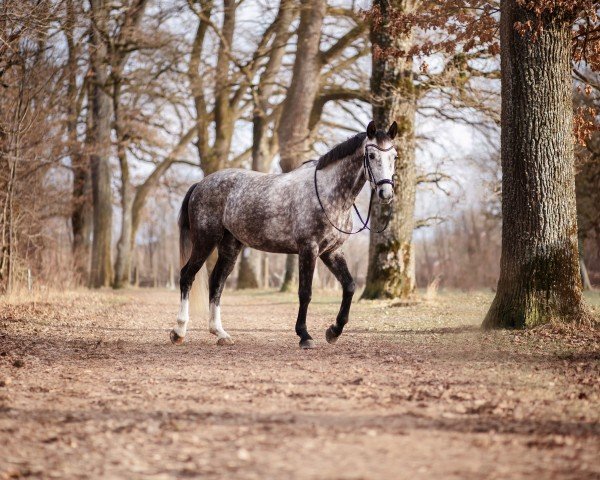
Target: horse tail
198, 295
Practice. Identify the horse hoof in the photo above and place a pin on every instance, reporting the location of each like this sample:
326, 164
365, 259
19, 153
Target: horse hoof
330, 335
307, 344
225, 341
176, 339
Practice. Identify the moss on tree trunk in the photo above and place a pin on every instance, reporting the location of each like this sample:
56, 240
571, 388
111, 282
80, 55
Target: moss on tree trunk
391, 272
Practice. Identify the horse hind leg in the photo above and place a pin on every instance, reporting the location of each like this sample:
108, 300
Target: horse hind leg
188, 274
228, 249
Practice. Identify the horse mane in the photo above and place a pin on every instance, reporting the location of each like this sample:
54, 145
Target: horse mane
347, 148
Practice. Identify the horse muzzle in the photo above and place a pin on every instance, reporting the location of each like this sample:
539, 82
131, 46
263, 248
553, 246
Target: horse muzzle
385, 192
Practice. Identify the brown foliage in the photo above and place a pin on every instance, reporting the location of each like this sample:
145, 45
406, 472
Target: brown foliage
471, 27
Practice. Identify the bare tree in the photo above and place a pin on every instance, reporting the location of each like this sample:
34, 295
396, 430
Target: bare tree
81, 216
99, 147
122, 47
30, 132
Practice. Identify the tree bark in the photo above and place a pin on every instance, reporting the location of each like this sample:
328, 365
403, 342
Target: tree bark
291, 269
101, 270
539, 267
295, 116
125, 243
81, 217
81, 213
248, 269
293, 129
391, 271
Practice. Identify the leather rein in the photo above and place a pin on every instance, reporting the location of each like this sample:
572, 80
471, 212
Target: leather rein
374, 184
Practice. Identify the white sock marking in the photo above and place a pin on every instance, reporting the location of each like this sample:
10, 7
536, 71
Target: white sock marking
214, 322
183, 317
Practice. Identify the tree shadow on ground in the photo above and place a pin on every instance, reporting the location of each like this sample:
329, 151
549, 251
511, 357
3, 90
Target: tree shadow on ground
479, 421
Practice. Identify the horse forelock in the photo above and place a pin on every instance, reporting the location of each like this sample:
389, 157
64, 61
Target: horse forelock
349, 147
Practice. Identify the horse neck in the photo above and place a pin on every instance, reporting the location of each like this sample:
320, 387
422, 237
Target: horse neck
342, 181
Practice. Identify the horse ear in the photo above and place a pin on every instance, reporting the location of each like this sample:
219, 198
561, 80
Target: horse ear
371, 130
393, 131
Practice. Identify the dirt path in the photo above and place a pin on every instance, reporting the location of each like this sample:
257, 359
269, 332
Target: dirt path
90, 387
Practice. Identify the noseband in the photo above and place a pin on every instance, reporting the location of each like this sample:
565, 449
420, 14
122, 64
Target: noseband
369, 171
370, 176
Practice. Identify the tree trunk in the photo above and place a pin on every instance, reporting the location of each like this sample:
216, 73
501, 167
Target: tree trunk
539, 267
81, 213
81, 217
391, 271
101, 271
248, 271
265, 270
585, 278
125, 243
295, 116
293, 127
291, 268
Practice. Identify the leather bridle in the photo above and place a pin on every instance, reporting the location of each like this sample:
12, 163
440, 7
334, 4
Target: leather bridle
369, 171
374, 183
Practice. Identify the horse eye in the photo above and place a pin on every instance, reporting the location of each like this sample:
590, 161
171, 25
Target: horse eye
372, 156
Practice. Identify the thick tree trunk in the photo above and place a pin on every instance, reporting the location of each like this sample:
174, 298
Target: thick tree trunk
293, 130
539, 268
101, 270
391, 272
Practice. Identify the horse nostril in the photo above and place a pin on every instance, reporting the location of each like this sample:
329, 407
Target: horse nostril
381, 194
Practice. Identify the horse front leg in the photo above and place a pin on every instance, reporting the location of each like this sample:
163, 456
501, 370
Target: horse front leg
307, 257
336, 263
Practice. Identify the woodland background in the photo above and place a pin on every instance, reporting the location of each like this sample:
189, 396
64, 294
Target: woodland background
109, 111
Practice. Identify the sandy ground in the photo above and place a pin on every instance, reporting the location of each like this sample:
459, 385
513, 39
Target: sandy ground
90, 387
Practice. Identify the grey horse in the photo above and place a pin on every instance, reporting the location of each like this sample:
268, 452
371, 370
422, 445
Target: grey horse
306, 212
